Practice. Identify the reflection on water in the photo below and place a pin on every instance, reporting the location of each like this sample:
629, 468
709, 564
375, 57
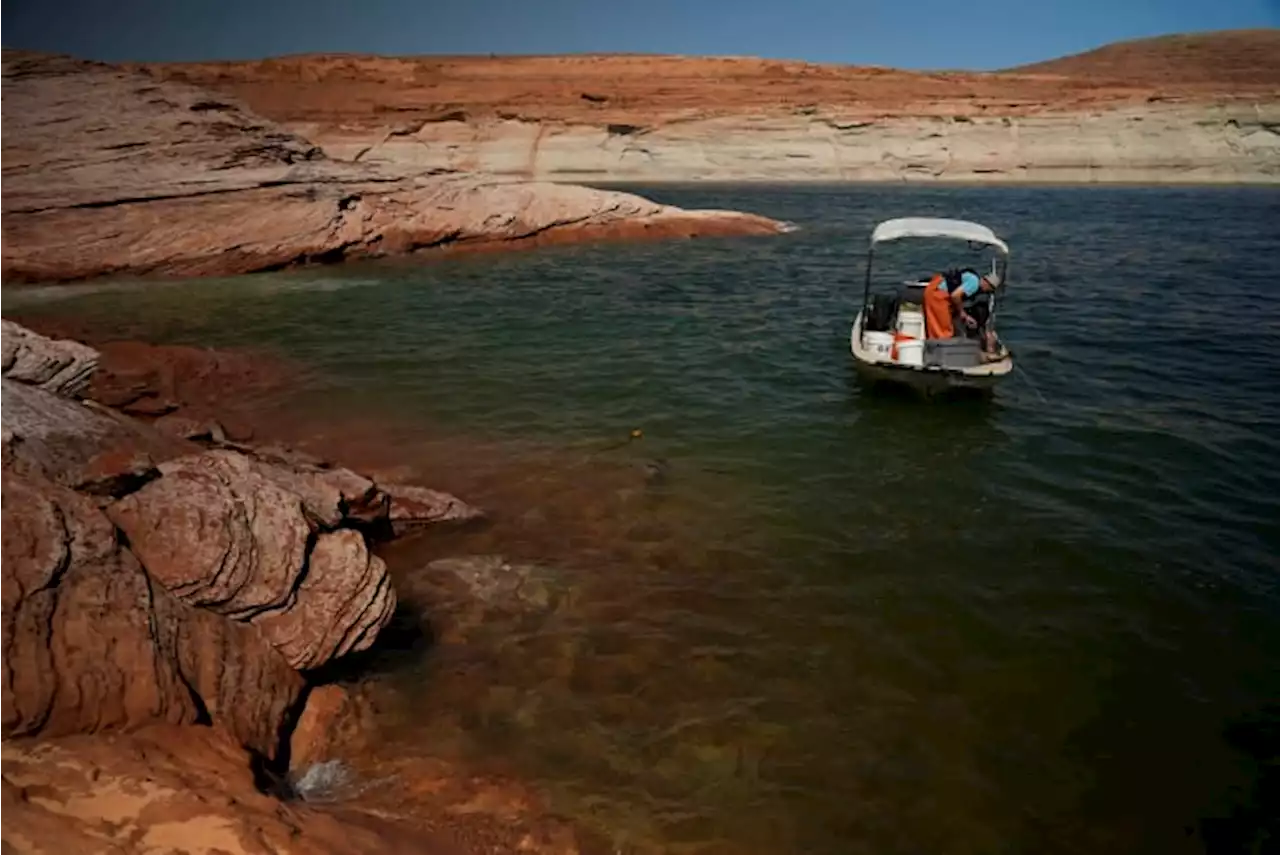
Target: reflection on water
792, 615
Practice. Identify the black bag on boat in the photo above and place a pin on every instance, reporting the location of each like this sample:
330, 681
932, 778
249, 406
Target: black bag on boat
880, 313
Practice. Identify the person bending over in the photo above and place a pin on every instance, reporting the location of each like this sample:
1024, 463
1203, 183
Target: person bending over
944, 298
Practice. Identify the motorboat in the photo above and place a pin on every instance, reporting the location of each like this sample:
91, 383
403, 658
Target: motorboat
890, 340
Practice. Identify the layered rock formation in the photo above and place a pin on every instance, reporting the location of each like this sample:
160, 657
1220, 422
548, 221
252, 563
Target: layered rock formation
151, 580
94, 642
1213, 143
61, 367
1196, 108
109, 170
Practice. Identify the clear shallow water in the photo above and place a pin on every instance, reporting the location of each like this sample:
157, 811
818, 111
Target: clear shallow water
796, 616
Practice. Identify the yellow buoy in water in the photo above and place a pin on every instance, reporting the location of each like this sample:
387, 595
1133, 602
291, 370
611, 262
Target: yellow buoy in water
637, 433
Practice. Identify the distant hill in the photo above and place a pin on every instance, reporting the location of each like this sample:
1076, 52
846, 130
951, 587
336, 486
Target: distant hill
397, 93
1229, 57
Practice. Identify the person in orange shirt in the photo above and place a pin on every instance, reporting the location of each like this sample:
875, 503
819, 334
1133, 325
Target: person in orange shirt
944, 298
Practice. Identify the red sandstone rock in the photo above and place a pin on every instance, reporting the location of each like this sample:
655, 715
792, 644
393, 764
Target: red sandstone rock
332, 722
232, 534
377, 98
334, 496
8, 447
91, 644
116, 472
79, 650
170, 789
328, 494
218, 534
343, 601
414, 506
244, 684
109, 170
65, 440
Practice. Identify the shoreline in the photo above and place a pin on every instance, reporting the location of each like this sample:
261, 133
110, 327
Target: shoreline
214, 189
312, 793
586, 500
620, 233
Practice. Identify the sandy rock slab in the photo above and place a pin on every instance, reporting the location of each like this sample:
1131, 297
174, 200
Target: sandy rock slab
77, 445
166, 789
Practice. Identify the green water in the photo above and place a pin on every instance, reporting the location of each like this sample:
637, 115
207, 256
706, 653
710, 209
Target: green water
796, 616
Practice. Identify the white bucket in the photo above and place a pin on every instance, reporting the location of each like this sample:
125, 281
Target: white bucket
911, 323
911, 352
879, 345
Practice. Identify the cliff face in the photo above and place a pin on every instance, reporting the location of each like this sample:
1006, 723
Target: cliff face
1213, 143
1193, 108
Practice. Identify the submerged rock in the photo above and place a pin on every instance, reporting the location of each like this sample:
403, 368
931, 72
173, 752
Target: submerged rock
323, 781
496, 582
413, 506
189, 427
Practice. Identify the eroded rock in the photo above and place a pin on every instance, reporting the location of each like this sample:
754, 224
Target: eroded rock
91, 643
330, 496
332, 722
80, 650
345, 598
233, 534
59, 366
1186, 108
218, 534
65, 440
244, 684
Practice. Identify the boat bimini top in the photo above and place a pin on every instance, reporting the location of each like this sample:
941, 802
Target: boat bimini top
906, 227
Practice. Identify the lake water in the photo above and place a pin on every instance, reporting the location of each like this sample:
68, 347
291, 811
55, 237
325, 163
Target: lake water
796, 616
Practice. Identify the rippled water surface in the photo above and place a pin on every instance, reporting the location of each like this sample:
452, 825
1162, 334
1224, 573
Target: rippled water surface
795, 616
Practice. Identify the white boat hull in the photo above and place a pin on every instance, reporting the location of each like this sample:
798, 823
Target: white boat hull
929, 379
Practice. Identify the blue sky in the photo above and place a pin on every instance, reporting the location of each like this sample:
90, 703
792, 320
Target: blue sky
979, 34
